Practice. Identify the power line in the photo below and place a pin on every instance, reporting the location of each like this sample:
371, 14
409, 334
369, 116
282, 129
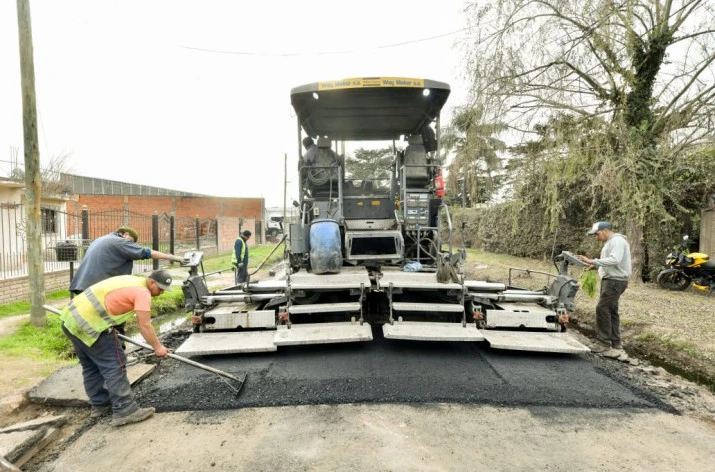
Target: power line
347, 51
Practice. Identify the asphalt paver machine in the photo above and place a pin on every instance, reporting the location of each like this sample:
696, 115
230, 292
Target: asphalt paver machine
374, 252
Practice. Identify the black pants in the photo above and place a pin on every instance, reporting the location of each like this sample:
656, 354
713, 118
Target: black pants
608, 322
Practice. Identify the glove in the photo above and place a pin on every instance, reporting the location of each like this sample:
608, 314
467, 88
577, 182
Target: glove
176, 259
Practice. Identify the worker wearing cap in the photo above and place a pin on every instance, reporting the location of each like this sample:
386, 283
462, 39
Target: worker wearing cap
110, 255
614, 267
310, 151
89, 321
239, 258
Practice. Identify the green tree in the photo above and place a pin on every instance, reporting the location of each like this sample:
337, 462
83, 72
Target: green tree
473, 171
626, 91
369, 163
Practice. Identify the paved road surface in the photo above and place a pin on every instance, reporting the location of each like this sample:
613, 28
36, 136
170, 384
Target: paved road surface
389, 371
395, 406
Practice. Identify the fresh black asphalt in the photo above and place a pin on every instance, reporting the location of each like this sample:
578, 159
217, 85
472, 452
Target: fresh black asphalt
389, 371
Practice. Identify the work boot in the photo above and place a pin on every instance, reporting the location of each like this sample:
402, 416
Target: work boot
597, 347
139, 415
98, 411
617, 354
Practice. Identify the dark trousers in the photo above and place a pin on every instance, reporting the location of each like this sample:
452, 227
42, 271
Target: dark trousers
104, 369
241, 274
608, 323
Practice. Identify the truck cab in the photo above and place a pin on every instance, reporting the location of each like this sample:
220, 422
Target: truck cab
274, 225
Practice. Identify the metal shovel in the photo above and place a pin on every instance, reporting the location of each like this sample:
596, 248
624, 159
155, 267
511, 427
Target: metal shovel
220, 373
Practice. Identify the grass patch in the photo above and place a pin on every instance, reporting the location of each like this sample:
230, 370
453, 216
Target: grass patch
23, 307
49, 343
45, 343
167, 302
667, 343
256, 255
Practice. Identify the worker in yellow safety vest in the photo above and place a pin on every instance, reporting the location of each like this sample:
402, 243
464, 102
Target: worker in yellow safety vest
89, 321
239, 258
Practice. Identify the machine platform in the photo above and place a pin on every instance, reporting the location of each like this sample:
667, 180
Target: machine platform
415, 280
216, 343
534, 341
428, 331
204, 344
323, 333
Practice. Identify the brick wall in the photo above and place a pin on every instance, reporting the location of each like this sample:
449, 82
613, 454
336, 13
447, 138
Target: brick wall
228, 231
201, 207
18, 288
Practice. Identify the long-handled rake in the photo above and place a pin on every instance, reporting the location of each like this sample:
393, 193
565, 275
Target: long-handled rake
224, 375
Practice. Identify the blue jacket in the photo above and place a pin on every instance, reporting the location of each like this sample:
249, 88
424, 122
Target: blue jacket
107, 256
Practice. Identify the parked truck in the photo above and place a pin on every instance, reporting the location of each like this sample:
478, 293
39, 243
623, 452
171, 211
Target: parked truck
274, 225
375, 253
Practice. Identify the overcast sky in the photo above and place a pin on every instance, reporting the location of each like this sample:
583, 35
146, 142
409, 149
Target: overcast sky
192, 95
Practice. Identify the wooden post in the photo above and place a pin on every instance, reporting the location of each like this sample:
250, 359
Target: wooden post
33, 179
155, 238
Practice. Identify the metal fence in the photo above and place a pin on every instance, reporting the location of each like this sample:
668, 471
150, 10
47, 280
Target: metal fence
66, 236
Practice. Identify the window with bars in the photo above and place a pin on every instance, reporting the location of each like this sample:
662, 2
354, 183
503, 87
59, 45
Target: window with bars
49, 220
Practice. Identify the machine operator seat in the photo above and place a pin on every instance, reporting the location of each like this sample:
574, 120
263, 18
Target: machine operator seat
323, 175
415, 162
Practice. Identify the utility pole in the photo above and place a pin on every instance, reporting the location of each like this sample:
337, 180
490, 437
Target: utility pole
33, 180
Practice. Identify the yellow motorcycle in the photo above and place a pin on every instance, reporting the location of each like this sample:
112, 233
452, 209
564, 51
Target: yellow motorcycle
685, 268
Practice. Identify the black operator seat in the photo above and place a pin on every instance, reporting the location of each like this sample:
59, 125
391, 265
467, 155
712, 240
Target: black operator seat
415, 162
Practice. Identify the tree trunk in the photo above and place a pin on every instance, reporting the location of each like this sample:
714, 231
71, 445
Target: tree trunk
634, 234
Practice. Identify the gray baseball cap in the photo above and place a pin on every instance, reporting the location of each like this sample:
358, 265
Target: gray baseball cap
598, 226
162, 278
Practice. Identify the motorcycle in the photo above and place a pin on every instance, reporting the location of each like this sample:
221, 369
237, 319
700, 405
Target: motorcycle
685, 268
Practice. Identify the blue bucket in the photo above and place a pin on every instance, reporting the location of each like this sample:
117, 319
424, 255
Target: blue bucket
325, 250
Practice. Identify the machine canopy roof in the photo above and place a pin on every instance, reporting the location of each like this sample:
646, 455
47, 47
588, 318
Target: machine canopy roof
368, 108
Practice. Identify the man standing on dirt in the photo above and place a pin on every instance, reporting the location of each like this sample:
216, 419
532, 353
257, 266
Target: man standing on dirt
89, 321
239, 258
111, 255
614, 267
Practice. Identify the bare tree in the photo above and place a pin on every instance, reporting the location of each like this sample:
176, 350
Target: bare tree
643, 68
50, 175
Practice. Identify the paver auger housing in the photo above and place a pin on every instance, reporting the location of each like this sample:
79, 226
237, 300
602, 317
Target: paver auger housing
370, 252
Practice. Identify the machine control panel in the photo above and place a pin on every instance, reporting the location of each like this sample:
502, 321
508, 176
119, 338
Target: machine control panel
192, 258
573, 259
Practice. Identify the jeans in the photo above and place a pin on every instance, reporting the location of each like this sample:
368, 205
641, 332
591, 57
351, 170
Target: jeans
608, 323
105, 373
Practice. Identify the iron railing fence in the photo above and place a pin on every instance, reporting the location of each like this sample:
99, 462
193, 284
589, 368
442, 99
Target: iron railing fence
66, 236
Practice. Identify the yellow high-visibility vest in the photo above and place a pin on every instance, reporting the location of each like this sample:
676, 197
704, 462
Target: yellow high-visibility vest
234, 261
86, 315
